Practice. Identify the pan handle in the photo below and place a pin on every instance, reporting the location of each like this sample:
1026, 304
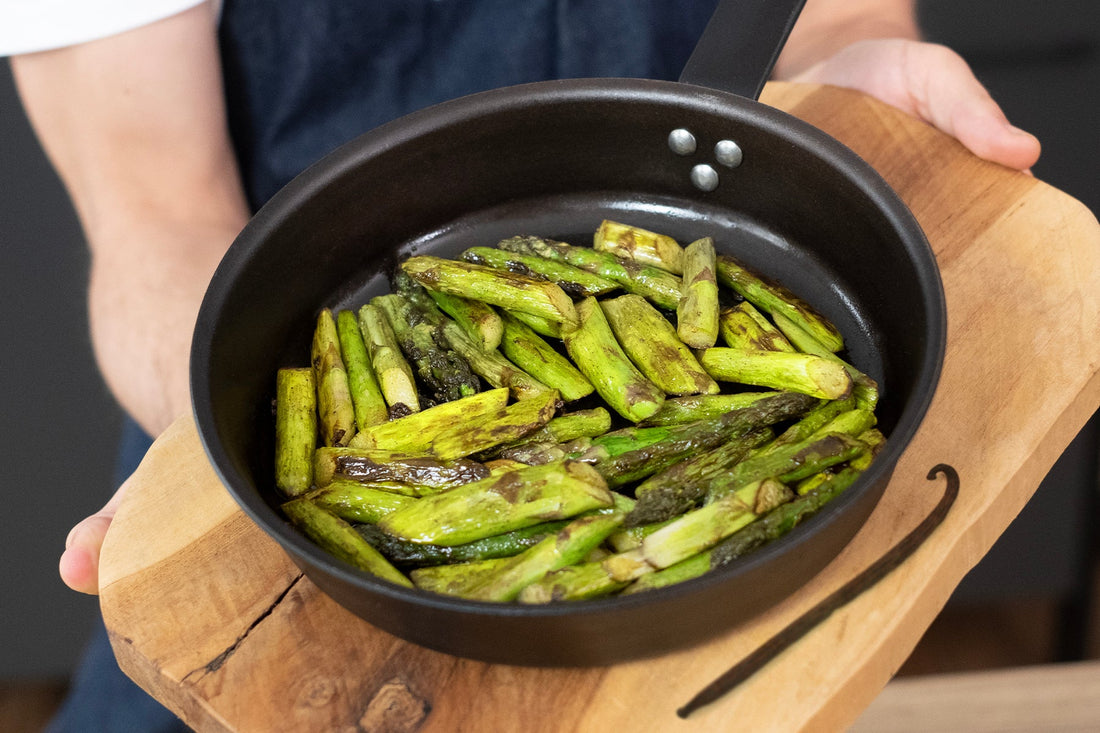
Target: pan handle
740, 45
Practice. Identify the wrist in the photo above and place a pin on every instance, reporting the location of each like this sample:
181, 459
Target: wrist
827, 26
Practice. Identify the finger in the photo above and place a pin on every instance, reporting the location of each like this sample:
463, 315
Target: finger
79, 563
948, 95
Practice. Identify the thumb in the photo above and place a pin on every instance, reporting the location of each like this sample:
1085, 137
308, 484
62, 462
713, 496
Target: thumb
79, 565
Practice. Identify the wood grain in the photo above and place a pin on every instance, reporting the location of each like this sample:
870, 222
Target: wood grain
211, 617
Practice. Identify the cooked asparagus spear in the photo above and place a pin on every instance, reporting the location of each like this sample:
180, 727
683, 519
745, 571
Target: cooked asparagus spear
395, 376
365, 466
659, 286
622, 464
682, 486
567, 547
592, 579
598, 355
490, 365
692, 567
640, 245
652, 344
366, 396
507, 424
813, 421
295, 429
527, 350
705, 527
782, 519
744, 327
689, 408
789, 463
538, 324
405, 553
570, 426
340, 539
772, 298
697, 311
865, 390
478, 320
501, 503
355, 502
335, 412
454, 580
796, 372
414, 433
496, 287
442, 371
574, 281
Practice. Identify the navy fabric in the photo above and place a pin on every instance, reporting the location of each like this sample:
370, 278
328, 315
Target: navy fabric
303, 77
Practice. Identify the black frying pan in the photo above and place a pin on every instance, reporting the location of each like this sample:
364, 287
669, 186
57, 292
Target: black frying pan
554, 159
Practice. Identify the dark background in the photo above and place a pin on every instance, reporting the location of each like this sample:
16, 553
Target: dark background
59, 424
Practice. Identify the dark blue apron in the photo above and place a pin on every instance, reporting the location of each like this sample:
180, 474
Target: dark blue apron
304, 76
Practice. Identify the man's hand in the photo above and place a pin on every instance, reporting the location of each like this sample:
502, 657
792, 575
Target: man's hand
135, 126
874, 46
79, 566
935, 84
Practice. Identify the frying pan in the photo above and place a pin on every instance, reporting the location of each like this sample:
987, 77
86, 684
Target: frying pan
691, 158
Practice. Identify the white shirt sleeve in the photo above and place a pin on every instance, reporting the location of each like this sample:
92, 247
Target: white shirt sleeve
40, 25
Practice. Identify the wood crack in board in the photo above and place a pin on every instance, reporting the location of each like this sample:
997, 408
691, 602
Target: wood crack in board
216, 663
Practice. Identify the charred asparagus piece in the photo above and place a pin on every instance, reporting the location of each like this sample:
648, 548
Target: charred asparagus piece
653, 346
335, 412
620, 464
507, 424
796, 372
442, 371
476, 319
866, 389
659, 286
677, 410
295, 429
340, 539
366, 396
455, 579
405, 553
395, 376
574, 281
567, 547
697, 311
705, 527
356, 502
598, 356
744, 327
501, 503
364, 466
539, 325
683, 486
527, 350
490, 365
772, 299
587, 579
414, 433
789, 463
640, 245
496, 287
563, 429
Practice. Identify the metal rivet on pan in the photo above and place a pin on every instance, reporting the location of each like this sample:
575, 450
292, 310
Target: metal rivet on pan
681, 142
704, 177
728, 153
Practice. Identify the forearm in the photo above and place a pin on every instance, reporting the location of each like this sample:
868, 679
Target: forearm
144, 153
826, 26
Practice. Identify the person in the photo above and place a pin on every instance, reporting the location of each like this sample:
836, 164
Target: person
170, 121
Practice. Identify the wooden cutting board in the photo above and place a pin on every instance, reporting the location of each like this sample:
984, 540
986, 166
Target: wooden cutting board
207, 614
